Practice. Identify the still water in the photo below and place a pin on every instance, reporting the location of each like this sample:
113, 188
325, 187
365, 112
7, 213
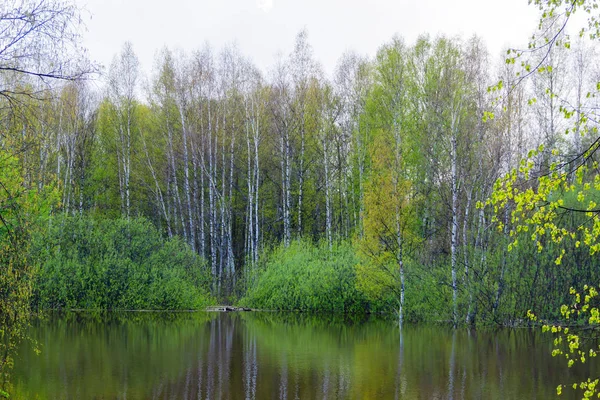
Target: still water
274, 356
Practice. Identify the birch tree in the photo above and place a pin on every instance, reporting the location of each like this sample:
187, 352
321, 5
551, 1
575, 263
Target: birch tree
280, 109
353, 83
123, 81
390, 200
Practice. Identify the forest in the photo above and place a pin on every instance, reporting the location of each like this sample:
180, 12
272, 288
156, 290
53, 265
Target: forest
433, 181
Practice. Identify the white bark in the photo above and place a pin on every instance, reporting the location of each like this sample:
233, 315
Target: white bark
211, 202
123, 77
250, 183
466, 254
454, 231
256, 137
327, 192
186, 173
159, 194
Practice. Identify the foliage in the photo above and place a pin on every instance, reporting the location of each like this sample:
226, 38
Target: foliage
575, 336
392, 155
39, 41
116, 264
21, 213
553, 195
541, 194
305, 277
390, 199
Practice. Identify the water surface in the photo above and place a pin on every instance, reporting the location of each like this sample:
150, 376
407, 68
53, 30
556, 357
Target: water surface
280, 356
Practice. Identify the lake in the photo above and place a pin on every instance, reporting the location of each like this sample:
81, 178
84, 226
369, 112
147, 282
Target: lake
259, 355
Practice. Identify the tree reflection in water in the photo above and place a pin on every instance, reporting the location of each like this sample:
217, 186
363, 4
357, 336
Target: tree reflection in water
287, 356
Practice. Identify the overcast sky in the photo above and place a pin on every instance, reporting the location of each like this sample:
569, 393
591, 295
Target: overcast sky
262, 28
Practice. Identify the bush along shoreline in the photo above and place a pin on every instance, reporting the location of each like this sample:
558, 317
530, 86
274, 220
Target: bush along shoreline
86, 263
117, 264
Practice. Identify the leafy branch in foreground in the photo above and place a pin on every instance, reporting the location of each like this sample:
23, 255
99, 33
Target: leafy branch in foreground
553, 196
20, 216
576, 336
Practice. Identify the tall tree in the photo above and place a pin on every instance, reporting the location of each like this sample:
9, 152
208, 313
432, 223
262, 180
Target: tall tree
390, 200
123, 81
353, 83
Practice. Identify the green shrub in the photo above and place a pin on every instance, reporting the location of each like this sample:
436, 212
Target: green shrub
116, 264
307, 278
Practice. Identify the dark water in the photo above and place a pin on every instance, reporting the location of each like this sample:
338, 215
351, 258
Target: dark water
270, 356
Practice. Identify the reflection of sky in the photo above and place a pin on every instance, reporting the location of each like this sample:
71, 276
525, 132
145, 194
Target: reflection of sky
263, 28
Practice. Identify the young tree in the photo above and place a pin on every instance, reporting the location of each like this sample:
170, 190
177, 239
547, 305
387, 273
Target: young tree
390, 199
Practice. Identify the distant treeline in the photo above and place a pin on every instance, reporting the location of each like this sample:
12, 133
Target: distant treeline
366, 191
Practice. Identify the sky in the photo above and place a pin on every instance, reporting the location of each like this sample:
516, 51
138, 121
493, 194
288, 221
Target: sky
264, 29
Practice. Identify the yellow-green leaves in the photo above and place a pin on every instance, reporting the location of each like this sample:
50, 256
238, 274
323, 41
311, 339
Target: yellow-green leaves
568, 342
539, 205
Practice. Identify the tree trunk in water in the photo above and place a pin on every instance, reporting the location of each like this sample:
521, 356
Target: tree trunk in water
502, 268
401, 303
454, 233
466, 254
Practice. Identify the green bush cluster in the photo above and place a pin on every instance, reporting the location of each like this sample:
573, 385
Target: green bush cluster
306, 277
116, 264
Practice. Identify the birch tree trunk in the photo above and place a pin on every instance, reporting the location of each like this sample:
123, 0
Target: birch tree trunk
301, 174
397, 175
256, 137
250, 183
466, 254
123, 77
159, 194
327, 192
454, 231
186, 176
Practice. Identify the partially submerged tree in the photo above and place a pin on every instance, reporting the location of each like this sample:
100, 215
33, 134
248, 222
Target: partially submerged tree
390, 220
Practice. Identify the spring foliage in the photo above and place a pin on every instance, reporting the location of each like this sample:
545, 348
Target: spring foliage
305, 277
572, 334
553, 196
116, 264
